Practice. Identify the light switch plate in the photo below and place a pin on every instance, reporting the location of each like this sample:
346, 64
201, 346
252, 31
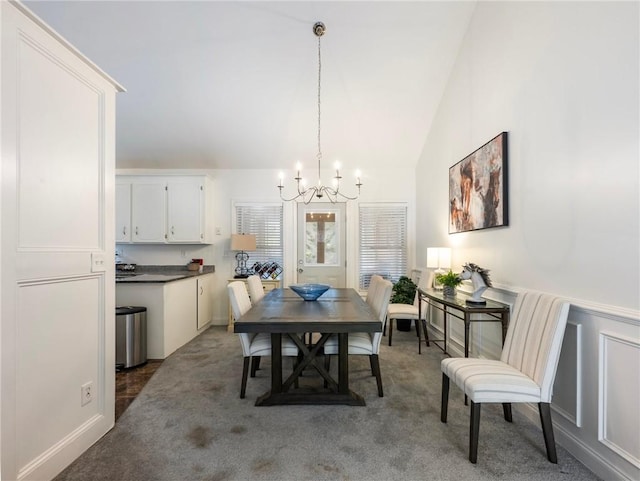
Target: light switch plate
97, 262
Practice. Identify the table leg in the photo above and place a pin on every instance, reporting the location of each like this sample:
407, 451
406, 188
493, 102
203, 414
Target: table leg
505, 325
467, 322
343, 363
446, 335
276, 363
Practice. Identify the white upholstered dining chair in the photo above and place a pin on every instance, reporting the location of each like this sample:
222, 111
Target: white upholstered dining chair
253, 345
373, 287
525, 372
367, 343
256, 290
409, 311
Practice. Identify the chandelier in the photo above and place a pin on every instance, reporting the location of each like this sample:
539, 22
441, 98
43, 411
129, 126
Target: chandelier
332, 193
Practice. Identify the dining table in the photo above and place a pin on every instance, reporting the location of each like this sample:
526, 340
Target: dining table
338, 312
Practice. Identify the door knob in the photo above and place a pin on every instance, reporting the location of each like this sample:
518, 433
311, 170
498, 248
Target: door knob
300, 270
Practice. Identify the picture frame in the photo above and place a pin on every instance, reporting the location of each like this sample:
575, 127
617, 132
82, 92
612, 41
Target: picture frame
478, 188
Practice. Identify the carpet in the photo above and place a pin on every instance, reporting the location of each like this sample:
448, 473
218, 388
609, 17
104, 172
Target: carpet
189, 423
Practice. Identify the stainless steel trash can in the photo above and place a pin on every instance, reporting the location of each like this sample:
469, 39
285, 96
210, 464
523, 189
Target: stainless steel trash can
131, 336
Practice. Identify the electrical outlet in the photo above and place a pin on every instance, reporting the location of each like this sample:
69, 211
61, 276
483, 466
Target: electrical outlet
218, 231
86, 393
183, 253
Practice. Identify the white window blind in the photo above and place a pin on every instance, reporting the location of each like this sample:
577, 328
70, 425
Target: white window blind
265, 221
383, 242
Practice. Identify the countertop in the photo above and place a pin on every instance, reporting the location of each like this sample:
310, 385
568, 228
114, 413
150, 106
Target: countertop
159, 274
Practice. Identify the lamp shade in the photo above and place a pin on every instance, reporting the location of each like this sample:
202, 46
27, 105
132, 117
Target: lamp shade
243, 242
439, 257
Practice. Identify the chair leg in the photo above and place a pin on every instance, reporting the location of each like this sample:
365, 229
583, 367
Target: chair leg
547, 431
375, 365
390, 329
373, 368
245, 371
474, 431
255, 365
384, 326
506, 408
444, 405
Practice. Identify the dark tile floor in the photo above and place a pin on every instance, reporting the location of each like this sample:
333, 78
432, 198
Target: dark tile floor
129, 383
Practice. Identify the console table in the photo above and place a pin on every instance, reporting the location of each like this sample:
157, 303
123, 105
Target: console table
457, 307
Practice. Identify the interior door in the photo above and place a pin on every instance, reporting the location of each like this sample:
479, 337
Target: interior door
57, 252
321, 244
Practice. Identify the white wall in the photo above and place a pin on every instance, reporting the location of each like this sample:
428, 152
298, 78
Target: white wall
389, 185
562, 79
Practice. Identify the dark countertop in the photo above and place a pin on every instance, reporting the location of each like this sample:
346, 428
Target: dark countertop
159, 274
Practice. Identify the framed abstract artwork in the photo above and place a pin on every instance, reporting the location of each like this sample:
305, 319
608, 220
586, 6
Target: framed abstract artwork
478, 188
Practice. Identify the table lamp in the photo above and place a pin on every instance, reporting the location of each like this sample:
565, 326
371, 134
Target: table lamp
242, 243
438, 258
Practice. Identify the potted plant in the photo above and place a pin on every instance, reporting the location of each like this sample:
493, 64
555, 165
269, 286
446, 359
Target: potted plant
404, 292
449, 281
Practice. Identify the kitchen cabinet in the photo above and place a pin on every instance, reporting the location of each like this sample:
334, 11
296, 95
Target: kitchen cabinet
148, 211
177, 311
205, 300
164, 209
123, 212
186, 210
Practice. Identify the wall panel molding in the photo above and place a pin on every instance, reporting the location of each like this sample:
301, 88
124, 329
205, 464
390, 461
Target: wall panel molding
617, 405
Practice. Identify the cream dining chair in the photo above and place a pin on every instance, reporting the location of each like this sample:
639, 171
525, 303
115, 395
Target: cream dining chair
410, 311
366, 343
253, 345
525, 372
256, 290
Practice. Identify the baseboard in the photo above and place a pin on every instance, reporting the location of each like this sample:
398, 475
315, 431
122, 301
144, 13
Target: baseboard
53, 461
583, 453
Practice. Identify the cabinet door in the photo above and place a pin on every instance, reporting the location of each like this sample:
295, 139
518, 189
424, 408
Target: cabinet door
185, 211
148, 211
123, 212
205, 300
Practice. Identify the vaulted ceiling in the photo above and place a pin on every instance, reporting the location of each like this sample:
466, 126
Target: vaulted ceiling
233, 85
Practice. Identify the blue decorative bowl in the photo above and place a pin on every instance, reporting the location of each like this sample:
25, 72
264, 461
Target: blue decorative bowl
310, 292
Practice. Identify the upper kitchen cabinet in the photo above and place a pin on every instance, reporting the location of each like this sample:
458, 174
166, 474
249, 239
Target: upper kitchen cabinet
163, 209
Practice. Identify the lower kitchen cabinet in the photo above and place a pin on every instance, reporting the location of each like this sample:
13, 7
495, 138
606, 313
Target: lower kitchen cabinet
177, 311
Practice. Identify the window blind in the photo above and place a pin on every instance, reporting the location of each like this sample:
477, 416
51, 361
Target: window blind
265, 221
383, 242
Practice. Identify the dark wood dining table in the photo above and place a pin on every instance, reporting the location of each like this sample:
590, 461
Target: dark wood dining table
283, 313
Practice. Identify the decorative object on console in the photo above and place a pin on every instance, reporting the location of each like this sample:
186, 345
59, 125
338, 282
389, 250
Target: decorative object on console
478, 188
449, 281
480, 279
267, 270
310, 292
306, 194
242, 243
438, 258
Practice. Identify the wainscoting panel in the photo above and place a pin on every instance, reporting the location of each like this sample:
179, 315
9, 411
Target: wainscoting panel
567, 400
619, 391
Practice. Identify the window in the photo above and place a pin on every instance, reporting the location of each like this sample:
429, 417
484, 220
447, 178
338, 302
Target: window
265, 221
383, 242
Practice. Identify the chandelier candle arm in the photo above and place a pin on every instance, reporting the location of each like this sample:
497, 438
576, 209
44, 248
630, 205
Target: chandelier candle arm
319, 191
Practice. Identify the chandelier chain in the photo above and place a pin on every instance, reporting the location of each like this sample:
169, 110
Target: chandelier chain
319, 156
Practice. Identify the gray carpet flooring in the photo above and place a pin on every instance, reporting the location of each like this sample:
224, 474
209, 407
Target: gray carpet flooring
189, 423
